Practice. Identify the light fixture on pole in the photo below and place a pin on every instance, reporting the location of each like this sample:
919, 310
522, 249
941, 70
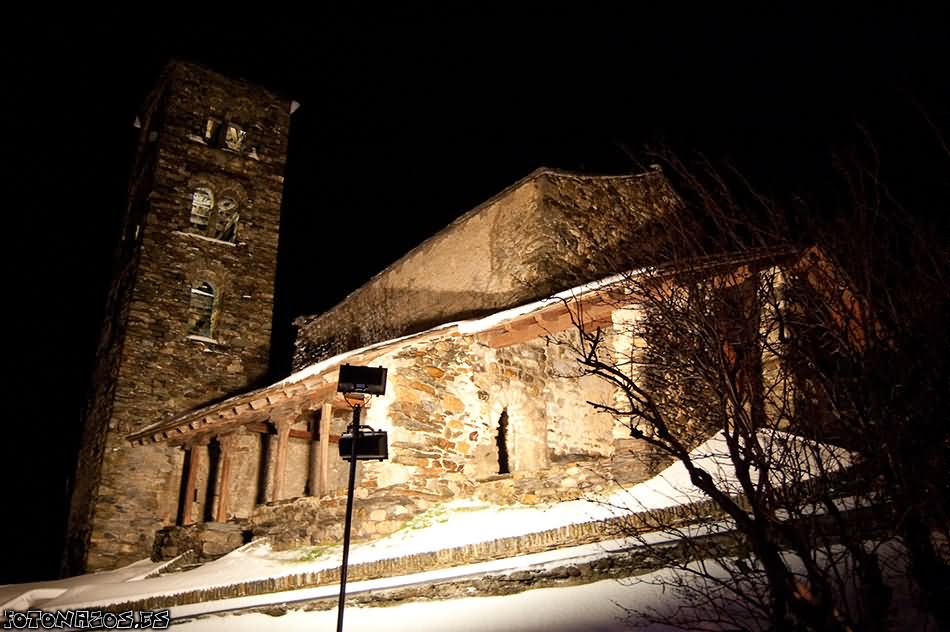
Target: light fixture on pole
358, 445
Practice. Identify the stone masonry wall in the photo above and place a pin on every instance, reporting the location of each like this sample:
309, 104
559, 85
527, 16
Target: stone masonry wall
157, 370
441, 410
598, 227
453, 274
97, 409
546, 233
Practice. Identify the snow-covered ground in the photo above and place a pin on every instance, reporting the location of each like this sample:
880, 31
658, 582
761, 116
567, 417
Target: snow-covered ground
602, 606
454, 524
592, 606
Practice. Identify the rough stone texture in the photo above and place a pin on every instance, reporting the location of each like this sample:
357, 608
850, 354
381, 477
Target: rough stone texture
245, 471
148, 368
441, 409
207, 540
548, 232
303, 521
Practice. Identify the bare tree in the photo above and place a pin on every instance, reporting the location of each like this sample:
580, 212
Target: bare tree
789, 333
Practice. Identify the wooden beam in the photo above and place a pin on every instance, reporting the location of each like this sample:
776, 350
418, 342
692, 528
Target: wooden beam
559, 319
517, 337
339, 403
551, 313
245, 408
276, 397
522, 323
266, 428
316, 385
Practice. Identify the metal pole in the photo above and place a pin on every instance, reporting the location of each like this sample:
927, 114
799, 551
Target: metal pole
349, 518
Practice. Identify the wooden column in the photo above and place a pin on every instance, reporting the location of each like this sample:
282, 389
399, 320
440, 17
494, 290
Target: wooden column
280, 462
313, 472
192, 464
223, 487
326, 415
270, 476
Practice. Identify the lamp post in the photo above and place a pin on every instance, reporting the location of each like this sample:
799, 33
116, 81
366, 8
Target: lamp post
364, 381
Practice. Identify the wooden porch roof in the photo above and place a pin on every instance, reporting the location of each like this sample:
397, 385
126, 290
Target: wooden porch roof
309, 388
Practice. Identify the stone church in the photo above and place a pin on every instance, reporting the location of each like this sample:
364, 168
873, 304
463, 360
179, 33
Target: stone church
181, 451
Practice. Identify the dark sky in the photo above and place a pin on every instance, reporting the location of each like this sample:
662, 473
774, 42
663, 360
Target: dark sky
410, 117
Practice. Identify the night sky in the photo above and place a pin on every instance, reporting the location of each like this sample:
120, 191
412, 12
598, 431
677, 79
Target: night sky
409, 118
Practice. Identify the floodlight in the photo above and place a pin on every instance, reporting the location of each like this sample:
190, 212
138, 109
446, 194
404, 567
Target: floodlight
371, 445
362, 379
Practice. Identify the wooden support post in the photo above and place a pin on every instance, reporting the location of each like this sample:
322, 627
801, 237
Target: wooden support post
223, 491
326, 414
192, 464
313, 473
270, 474
280, 462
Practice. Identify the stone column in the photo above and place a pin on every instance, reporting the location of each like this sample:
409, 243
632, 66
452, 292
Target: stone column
320, 452
283, 425
777, 390
223, 487
313, 458
326, 416
628, 348
192, 464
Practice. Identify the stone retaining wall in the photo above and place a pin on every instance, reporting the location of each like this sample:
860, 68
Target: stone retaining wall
380, 512
561, 537
204, 541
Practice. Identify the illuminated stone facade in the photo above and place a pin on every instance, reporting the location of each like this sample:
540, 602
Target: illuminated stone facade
190, 326
550, 231
189, 312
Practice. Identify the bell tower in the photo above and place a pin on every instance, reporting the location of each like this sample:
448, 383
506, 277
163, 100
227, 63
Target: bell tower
189, 310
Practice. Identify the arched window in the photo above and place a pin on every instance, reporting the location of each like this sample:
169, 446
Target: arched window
201, 315
212, 130
502, 440
222, 133
216, 209
202, 202
226, 219
234, 138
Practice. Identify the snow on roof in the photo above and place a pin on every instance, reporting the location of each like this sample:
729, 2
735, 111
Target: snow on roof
478, 325
464, 327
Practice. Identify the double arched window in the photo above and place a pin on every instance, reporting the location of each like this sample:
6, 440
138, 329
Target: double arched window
224, 134
203, 310
215, 216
